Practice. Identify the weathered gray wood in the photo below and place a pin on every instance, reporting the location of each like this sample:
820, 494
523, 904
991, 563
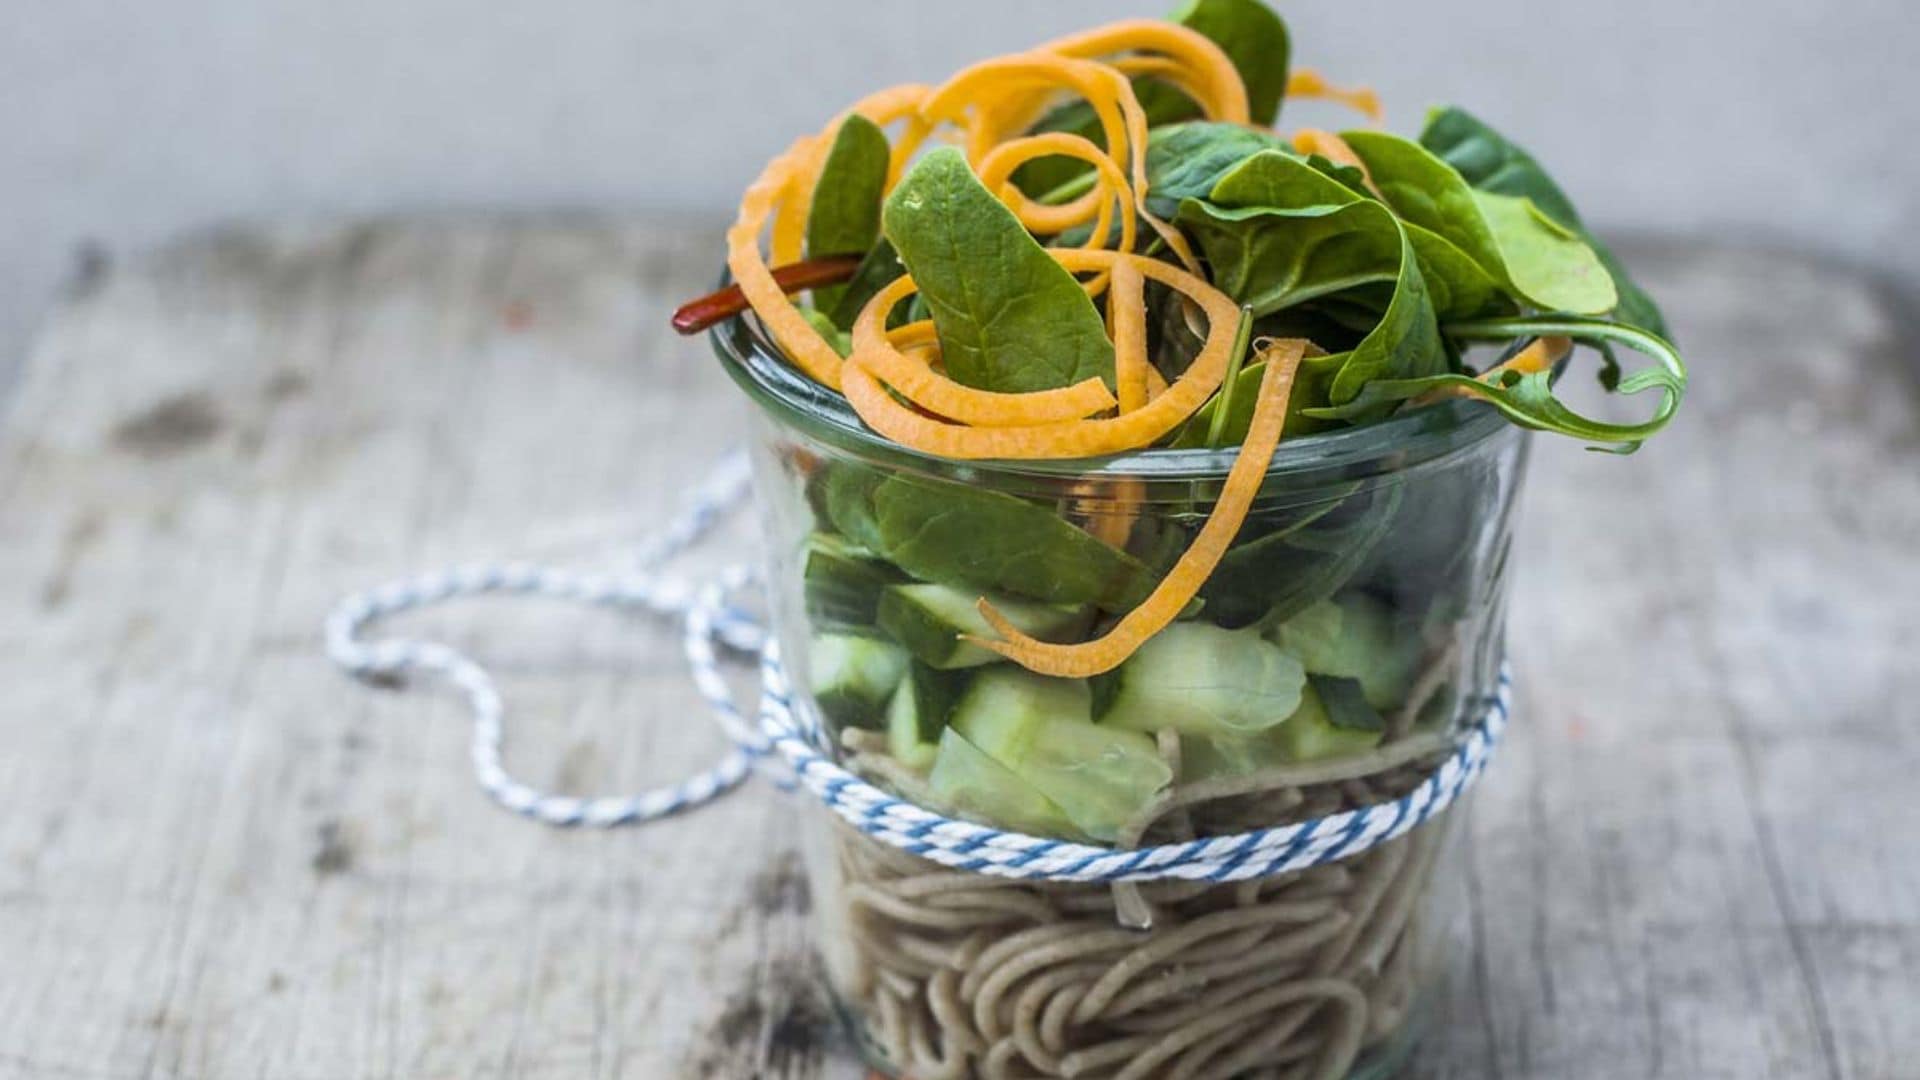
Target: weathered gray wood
218, 858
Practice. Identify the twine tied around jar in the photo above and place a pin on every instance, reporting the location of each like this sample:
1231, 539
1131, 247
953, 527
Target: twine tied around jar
709, 619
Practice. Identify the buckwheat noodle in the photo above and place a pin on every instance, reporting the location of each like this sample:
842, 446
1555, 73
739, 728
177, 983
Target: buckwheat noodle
960, 975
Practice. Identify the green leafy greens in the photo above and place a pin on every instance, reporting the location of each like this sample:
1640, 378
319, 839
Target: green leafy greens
1010, 318
1520, 250
845, 215
1491, 162
1278, 232
958, 535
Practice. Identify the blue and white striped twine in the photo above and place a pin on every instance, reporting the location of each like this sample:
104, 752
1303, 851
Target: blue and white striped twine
709, 619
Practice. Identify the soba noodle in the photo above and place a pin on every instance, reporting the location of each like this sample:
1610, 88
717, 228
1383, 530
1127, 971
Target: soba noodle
960, 975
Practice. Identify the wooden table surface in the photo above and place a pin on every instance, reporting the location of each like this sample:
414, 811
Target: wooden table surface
1696, 857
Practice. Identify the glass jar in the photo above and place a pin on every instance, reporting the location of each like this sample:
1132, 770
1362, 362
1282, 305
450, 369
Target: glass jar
1347, 641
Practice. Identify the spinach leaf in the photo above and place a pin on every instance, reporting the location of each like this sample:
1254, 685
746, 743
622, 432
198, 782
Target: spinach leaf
1184, 161
1251, 35
1491, 162
1350, 177
842, 497
1255, 39
1010, 318
844, 218
876, 271
1277, 232
954, 534
1546, 262
1524, 252
1461, 287
1273, 257
1528, 400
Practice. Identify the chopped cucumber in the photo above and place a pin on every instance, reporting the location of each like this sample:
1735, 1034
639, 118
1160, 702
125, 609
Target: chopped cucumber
974, 785
1199, 679
1207, 757
852, 676
929, 620
1308, 735
1355, 636
843, 582
918, 712
1041, 728
1005, 709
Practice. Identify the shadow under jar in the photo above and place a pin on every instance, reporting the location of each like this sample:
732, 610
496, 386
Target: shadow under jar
1349, 639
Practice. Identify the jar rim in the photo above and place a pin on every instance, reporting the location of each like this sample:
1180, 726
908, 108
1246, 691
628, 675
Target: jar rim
755, 362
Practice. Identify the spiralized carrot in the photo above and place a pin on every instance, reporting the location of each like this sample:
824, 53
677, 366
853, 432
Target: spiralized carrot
914, 333
1127, 317
1308, 83
1156, 382
1216, 84
1334, 149
1164, 68
919, 383
803, 344
1075, 438
1122, 121
1127, 312
796, 198
997, 167
979, 92
1106, 509
1194, 566
885, 106
1539, 355
1189, 60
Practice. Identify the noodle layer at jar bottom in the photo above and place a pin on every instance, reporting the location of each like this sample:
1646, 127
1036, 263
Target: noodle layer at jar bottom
1324, 973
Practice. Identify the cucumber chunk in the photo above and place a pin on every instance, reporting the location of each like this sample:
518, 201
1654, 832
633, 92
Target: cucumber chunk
852, 676
1214, 756
1308, 735
929, 619
918, 711
1354, 636
975, 786
842, 582
1041, 728
1198, 679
